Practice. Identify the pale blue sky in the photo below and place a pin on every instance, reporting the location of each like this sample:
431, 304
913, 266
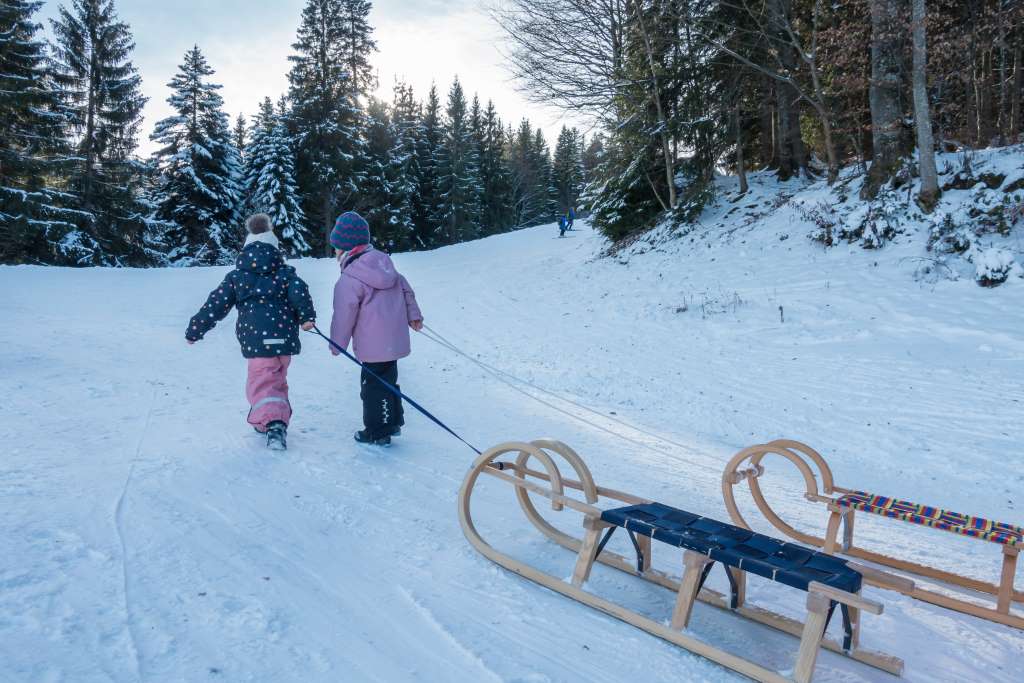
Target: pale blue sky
248, 43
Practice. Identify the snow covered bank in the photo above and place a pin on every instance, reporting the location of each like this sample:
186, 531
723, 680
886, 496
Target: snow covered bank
145, 534
973, 233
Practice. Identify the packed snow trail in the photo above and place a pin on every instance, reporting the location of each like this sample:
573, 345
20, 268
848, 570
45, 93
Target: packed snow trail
337, 562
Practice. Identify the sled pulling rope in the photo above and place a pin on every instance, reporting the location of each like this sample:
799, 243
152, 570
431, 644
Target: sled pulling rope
831, 584
842, 504
517, 384
393, 389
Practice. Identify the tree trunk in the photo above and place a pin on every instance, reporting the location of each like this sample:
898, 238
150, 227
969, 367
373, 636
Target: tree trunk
1004, 92
767, 127
1018, 84
666, 149
986, 114
819, 102
830, 148
787, 168
922, 113
884, 95
741, 169
792, 155
796, 135
971, 98
328, 225
90, 130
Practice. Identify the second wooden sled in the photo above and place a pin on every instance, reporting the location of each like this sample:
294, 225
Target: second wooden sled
842, 504
832, 585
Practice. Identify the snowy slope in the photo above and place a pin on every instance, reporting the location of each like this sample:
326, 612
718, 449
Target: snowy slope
145, 534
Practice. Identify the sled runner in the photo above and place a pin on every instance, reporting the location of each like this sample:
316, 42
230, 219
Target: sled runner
842, 505
832, 585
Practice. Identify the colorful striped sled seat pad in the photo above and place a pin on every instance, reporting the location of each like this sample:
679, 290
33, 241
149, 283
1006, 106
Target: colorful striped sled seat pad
965, 525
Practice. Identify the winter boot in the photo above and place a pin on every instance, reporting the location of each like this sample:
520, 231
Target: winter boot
364, 436
277, 436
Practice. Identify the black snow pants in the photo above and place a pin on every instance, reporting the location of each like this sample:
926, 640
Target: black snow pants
382, 410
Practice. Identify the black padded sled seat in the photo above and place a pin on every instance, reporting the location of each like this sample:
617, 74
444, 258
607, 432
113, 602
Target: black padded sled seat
787, 563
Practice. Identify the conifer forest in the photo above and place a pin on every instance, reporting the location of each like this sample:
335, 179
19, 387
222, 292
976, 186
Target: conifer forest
676, 92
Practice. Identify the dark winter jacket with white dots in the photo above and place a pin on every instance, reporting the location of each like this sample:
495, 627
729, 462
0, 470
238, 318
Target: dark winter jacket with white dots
272, 302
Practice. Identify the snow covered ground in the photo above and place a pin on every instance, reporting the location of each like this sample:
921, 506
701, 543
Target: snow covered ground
147, 535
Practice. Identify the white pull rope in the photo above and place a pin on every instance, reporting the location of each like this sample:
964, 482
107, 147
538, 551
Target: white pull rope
509, 380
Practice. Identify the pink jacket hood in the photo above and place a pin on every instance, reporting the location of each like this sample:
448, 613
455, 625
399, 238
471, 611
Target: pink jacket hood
373, 268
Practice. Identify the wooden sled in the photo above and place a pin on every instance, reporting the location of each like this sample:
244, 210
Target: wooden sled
828, 581
842, 505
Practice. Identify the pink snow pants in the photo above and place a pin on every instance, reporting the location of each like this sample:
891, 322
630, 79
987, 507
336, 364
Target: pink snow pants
267, 391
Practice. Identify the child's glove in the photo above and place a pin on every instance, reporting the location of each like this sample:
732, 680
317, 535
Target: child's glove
416, 325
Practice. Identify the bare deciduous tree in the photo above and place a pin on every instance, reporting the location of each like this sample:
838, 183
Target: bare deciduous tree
568, 53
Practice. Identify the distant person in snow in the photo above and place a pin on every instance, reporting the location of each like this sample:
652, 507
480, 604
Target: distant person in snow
374, 307
272, 302
572, 217
563, 225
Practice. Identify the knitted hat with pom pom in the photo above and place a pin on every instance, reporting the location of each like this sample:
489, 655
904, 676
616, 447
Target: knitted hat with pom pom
350, 231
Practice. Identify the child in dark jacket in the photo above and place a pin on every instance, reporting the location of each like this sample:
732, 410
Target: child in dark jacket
374, 307
272, 302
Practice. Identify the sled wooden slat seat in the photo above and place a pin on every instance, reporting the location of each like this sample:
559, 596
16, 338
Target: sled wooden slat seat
842, 504
937, 518
831, 584
733, 546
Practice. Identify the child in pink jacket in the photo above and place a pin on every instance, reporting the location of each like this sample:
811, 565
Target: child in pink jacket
374, 307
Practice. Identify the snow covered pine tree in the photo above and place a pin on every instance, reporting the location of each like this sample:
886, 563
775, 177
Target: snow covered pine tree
270, 179
101, 103
197, 190
34, 226
458, 174
328, 70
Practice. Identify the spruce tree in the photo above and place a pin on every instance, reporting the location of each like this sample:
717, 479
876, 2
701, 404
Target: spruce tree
375, 200
547, 193
428, 210
270, 179
592, 158
240, 134
567, 167
34, 226
524, 175
495, 177
408, 124
325, 119
534, 196
358, 44
197, 189
102, 104
458, 173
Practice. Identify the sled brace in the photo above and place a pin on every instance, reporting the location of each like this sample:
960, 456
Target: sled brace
832, 585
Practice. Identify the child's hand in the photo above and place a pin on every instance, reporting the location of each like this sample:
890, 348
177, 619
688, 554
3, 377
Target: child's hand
308, 325
416, 325
190, 342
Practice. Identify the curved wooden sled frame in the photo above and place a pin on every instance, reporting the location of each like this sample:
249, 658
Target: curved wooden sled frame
516, 472
746, 466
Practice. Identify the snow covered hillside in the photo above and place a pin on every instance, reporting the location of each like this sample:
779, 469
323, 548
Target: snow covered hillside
147, 535
973, 233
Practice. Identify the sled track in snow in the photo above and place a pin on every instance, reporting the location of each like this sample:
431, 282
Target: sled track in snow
119, 525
